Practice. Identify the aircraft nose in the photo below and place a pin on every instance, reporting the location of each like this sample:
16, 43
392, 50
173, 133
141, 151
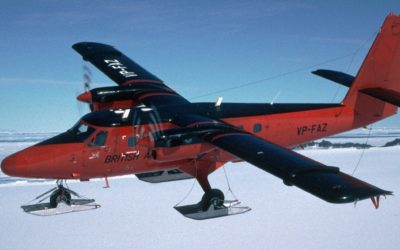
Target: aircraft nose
6, 165
14, 165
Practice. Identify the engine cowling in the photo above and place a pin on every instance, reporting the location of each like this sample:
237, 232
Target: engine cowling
120, 97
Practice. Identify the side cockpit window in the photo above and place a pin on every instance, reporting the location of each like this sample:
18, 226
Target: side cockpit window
81, 131
100, 139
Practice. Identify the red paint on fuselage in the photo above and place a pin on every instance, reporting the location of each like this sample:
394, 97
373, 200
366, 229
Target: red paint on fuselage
378, 76
118, 157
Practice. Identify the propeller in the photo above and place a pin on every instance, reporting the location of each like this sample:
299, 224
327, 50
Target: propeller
87, 77
85, 97
146, 124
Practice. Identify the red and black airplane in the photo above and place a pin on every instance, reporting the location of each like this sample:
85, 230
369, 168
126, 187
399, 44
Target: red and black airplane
145, 128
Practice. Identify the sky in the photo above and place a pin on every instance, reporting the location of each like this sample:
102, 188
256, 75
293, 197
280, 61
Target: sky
197, 48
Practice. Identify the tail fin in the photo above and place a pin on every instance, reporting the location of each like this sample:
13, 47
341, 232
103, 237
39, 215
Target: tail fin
379, 75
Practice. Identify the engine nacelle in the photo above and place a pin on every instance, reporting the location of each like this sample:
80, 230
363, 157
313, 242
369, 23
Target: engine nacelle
120, 97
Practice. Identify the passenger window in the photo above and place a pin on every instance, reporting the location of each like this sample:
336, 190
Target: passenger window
100, 139
257, 128
132, 141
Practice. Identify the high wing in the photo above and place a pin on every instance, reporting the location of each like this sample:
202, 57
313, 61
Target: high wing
143, 85
327, 183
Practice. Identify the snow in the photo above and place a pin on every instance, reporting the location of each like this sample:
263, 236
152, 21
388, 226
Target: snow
376, 137
373, 141
138, 215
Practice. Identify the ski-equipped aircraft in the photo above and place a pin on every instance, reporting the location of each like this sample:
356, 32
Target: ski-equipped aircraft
143, 127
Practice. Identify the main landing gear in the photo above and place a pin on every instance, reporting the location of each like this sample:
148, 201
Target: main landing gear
61, 200
212, 204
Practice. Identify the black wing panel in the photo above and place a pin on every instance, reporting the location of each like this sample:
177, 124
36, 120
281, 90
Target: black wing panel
113, 63
327, 183
133, 79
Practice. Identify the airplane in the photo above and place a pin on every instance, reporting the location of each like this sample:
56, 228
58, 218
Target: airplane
145, 128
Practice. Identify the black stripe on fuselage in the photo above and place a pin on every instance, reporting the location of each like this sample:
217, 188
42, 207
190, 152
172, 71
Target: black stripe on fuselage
140, 116
233, 110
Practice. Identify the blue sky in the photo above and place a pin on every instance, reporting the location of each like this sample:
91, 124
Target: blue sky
196, 47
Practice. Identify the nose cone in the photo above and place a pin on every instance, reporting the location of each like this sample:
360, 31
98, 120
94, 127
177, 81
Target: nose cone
6, 165
15, 165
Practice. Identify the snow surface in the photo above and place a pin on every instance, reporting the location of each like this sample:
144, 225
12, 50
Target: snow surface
138, 215
375, 137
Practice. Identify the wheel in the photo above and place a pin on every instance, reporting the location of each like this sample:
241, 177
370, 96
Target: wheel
58, 196
213, 197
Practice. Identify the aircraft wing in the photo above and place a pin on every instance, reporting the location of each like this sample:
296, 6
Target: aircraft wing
148, 88
327, 183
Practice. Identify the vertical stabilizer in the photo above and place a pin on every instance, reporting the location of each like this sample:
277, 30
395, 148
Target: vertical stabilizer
379, 75
375, 92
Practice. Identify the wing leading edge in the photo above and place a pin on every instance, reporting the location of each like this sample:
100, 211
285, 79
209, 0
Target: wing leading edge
140, 83
117, 66
327, 183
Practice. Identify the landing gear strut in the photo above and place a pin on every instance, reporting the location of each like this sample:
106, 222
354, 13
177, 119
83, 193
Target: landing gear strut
61, 200
212, 204
61, 194
213, 197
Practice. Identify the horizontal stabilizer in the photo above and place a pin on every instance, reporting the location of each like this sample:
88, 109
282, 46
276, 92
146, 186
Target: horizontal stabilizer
335, 76
386, 95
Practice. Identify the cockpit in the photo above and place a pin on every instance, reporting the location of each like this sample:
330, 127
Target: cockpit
79, 133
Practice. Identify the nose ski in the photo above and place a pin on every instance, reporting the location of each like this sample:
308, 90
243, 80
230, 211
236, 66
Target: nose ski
61, 200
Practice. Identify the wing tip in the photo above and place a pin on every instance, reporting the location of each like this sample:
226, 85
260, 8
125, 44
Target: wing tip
88, 48
360, 195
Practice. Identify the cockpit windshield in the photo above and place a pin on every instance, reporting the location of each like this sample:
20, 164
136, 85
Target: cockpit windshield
81, 131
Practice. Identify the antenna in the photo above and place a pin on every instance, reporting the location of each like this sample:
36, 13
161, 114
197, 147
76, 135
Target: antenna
218, 102
275, 97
